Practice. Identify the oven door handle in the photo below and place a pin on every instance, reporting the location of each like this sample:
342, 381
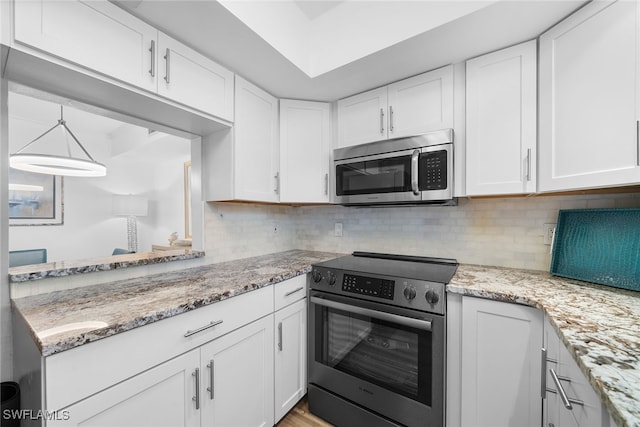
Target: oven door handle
381, 315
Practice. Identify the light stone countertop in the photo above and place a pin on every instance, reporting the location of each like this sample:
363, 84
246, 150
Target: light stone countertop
599, 325
67, 268
100, 311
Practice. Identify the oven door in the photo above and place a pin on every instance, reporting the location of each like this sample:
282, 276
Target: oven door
382, 178
385, 359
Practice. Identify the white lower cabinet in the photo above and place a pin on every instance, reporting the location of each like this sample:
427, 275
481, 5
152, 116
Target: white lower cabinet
227, 382
161, 396
494, 369
290, 357
497, 377
583, 407
500, 364
237, 377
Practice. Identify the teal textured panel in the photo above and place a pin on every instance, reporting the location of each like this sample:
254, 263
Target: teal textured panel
598, 245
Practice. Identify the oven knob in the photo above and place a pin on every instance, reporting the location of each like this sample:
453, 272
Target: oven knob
432, 297
409, 293
331, 277
316, 276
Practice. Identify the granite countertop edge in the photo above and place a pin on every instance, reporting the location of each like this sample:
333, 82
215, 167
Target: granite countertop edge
70, 268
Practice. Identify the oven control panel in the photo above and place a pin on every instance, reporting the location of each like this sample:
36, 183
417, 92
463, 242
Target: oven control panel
371, 286
410, 293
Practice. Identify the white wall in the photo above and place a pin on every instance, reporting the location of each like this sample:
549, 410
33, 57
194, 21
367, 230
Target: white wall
504, 232
148, 166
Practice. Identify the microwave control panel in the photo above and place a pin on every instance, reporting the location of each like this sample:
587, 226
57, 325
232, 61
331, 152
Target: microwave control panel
433, 170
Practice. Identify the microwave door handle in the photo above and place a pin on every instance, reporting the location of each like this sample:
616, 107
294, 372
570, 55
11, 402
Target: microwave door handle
381, 315
414, 172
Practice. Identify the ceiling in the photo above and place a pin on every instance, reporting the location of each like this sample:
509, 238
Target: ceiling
327, 50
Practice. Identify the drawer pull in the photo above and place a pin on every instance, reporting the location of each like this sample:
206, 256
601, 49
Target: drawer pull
203, 328
568, 403
294, 291
280, 336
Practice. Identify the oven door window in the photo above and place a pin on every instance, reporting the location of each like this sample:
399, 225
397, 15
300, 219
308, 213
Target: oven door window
386, 175
395, 357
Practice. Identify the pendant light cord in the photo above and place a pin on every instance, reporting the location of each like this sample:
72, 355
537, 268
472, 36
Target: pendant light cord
62, 123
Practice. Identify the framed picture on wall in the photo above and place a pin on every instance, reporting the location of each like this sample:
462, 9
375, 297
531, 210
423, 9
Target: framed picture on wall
35, 199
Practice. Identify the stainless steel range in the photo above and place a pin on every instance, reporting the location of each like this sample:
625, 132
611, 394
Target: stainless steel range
377, 340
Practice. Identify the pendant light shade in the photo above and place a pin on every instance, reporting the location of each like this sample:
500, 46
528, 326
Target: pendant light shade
57, 164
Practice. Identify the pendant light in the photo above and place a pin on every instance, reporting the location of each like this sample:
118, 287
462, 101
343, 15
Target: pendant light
57, 164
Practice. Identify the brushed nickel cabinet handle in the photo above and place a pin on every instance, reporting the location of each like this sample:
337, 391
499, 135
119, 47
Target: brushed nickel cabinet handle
196, 398
203, 328
566, 402
390, 118
543, 377
326, 184
280, 336
211, 379
152, 49
293, 291
638, 142
167, 59
528, 164
277, 177
381, 121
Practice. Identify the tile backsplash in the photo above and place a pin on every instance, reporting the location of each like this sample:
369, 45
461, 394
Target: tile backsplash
504, 232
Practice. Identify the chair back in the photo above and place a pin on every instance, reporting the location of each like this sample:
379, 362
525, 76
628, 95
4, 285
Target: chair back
27, 257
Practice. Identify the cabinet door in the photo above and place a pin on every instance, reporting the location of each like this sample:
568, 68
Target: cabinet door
290, 357
501, 122
94, 34
238, 371
256, 144
501, 367
305, 151
161, 396
421, 104
362, 118
187, 77
588, 104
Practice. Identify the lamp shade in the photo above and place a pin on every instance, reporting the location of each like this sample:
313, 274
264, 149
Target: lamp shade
129, 205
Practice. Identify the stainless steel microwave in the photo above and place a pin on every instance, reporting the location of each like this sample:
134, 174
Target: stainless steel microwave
412, 170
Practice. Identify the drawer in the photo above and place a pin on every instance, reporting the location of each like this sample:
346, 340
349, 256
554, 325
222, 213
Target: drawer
77, 373
290, 291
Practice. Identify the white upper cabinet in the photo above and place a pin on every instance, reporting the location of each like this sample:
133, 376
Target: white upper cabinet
409, 107
501, 122
102, 37
421, 104
305, 151
187, 77
257, 176
589, 99
94, 34
362, 118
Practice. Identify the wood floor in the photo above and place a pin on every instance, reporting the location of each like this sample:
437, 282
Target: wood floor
300, 416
